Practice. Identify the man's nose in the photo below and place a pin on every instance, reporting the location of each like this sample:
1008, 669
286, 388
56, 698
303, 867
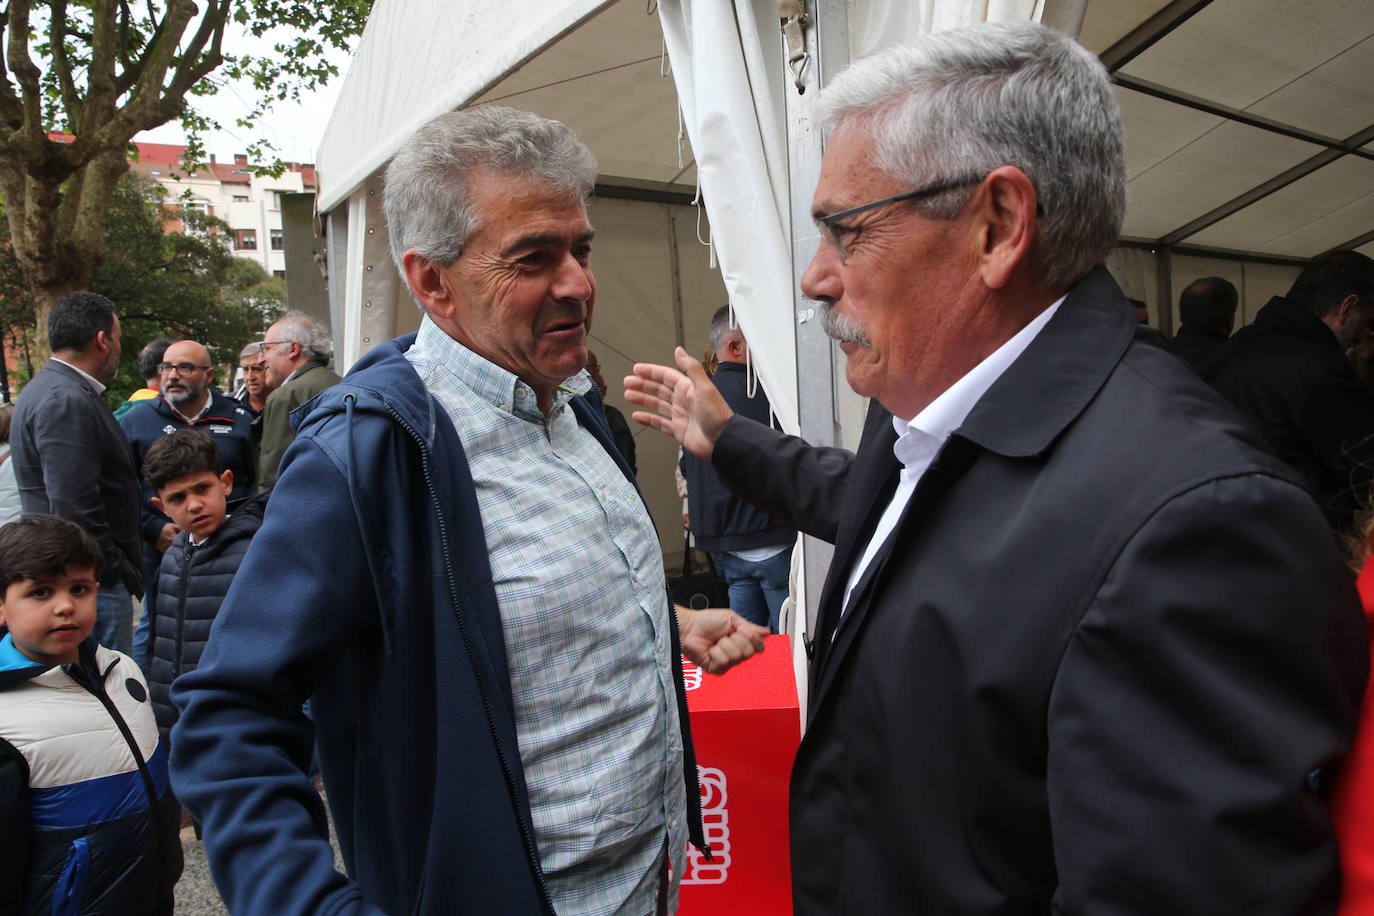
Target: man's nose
819, 281
574, 280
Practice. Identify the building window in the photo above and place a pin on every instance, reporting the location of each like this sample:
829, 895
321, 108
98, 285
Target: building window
246, 239
278, 240
240, 198
279, 274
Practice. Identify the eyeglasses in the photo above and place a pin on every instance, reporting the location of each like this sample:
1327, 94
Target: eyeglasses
262, 347
832, 233
179, 368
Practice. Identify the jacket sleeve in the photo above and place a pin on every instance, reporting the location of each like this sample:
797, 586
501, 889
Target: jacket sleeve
67, 443
14, 827
274, 426
150, 520
242, 746
1200, 708
801, 485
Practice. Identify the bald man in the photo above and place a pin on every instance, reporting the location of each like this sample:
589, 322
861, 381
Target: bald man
186, 399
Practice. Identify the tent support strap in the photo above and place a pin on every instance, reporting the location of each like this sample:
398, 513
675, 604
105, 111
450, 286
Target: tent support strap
827, 38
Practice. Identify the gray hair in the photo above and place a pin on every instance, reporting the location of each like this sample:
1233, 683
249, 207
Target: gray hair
252, 349
964, 102
426, 199
310, 334
722, 326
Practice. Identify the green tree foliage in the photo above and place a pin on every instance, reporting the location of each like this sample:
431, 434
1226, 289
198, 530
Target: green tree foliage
180, 284
103, 71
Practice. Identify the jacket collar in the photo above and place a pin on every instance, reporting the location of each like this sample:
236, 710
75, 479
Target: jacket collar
1048, 386
387, 377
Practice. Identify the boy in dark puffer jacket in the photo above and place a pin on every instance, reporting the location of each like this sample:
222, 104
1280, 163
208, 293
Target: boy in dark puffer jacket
192, 488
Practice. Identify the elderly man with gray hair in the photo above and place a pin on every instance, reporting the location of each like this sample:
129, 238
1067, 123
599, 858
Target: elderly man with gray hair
458, 571
1084, 647
296, 368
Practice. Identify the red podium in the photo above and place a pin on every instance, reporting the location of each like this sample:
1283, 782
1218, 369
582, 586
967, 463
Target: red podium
746, 726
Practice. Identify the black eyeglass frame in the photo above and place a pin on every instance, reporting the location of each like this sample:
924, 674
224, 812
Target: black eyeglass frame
181, 369
826, 222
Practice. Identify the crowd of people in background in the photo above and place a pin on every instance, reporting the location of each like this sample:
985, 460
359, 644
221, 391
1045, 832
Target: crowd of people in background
1087, 643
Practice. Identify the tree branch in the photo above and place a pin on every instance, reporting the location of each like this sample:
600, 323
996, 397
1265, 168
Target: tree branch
197, 63
100, 82
11, 112
62, 65
142, 110
29, 131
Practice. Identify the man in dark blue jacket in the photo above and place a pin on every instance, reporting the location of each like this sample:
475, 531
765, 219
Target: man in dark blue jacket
752, 550
187, 401
457, 570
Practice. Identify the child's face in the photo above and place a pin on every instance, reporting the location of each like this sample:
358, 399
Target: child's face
51, 616
195, 503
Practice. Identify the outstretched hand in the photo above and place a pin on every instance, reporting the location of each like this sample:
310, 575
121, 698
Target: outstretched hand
684, 404
717, 639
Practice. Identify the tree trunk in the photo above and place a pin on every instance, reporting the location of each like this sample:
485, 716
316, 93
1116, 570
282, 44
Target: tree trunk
57, 224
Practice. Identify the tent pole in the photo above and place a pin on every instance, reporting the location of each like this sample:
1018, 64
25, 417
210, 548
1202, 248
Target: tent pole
676, 273
1164, 282
827, 45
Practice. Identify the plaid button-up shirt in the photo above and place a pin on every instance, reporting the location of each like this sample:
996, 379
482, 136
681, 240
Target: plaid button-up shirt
579, 579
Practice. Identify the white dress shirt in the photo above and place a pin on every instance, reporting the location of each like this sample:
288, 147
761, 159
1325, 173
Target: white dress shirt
920, 439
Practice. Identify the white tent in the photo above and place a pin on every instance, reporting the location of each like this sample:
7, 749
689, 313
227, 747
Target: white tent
1248, 129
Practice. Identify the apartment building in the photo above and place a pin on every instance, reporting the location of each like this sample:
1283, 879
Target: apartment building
250, 204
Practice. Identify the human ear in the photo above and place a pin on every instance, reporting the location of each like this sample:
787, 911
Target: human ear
426, 280
1006, 220
227, 480
157, 504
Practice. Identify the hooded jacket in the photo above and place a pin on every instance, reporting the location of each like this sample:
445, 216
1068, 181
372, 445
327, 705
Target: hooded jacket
192, 583
88, 823
371, 575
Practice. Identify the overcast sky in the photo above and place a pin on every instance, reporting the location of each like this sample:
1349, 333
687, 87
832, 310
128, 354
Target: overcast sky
294, 129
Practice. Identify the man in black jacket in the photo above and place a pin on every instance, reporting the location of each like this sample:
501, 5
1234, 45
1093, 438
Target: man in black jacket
1034, 690
70, 457
752, 550
1288, 374
1207, 315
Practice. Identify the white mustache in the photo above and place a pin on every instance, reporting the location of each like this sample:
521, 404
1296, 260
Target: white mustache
843, 328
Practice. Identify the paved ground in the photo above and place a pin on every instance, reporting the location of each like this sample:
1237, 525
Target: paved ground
196, 894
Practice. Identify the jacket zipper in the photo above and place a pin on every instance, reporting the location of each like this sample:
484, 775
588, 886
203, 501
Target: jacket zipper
95, 685
180, 640
526, 832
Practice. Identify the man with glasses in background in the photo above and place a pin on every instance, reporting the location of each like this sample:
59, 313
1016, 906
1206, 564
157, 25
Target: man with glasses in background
296, 355
187, 399
253, 391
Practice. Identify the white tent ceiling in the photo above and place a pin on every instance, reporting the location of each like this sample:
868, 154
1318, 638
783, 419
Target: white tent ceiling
1248, 122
